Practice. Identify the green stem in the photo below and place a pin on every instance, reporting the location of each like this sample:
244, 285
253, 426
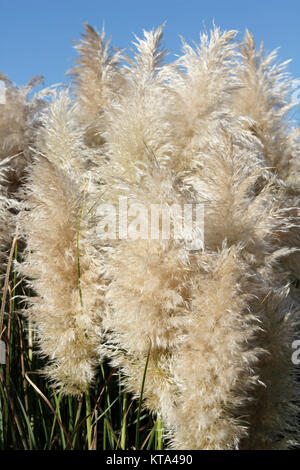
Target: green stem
124, 416
14, 279
159, 434
78, 252
89, 427
137, 429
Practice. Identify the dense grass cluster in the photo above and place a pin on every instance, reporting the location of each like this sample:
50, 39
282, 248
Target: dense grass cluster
145, 342
34, 417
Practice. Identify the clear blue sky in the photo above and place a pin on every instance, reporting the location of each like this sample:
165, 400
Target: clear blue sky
36, 35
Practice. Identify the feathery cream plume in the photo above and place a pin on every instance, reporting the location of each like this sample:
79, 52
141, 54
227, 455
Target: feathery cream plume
219, 321
64, 272
96, 80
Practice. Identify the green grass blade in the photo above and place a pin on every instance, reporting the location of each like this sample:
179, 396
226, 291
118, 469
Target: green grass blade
137, 429
31, 440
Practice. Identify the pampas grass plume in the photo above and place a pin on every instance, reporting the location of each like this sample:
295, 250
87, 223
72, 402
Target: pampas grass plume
215, 325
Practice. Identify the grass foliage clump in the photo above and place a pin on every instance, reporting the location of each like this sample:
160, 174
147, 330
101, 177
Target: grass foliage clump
145, 343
